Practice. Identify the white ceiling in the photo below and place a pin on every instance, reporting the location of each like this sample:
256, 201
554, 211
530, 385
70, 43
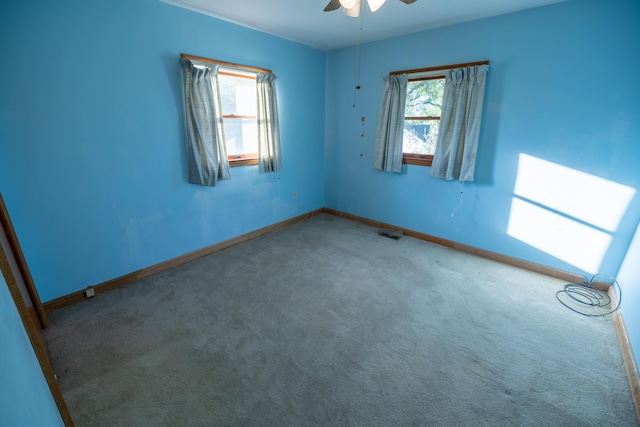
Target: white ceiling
304, 21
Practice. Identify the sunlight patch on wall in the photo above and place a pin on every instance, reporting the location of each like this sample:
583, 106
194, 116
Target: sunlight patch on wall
557, 235
566, 213
586, 197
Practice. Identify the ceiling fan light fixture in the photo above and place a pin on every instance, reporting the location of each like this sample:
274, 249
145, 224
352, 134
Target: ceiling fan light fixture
349, 4
353, 11
375, 4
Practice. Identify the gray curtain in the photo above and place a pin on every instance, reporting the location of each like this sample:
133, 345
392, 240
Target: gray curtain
455, 155
269, 155
206, 146
387, 154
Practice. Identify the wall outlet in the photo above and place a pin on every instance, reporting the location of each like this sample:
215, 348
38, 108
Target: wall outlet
295, 194
90, 292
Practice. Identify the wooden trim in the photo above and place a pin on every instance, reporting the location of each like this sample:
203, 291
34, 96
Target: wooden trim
633, 375
5, 223
442, 67
224, 63
417, 159
243, 160
423, 118
629, 361
419, 79
234, 116
538, 268
174, 262
32, 332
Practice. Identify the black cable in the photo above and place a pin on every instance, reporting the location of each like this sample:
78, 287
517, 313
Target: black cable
586, 295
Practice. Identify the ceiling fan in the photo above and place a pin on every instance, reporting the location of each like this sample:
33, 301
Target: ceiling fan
352, 7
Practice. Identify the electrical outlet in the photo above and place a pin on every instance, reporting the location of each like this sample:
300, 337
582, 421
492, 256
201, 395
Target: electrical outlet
90, 292
295, 194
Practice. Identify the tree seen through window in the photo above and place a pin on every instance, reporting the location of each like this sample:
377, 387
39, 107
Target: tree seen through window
422, 115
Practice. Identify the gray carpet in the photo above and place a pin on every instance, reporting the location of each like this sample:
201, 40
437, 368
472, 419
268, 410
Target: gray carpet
327, 323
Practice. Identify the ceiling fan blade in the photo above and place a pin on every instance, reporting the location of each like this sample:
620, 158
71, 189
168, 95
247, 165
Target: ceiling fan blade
408, 1
333, 5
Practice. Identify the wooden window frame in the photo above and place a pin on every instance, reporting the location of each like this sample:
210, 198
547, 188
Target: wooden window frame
420, 159
244, 159
427, 159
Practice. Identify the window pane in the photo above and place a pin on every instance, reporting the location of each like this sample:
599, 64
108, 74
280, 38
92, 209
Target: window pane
241, 136
237, 95
424, 98
420, 136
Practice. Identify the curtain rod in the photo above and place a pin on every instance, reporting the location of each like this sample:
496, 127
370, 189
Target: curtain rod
224, 64
444, 67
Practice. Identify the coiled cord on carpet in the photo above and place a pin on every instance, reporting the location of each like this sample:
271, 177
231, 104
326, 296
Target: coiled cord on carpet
586, 295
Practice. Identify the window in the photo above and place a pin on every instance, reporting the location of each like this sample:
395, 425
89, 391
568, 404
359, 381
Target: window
422, 118
425, 92
250, 113
239, 105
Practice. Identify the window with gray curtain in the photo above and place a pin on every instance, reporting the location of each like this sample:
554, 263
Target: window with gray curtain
205, 132
206, 115
458, 127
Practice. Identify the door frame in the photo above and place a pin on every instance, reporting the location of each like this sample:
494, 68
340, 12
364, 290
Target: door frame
24, 272
34, 331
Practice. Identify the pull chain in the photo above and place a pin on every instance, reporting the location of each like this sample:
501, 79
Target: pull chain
357, 66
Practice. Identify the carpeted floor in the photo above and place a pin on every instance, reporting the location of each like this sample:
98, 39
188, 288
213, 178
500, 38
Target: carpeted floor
327, 323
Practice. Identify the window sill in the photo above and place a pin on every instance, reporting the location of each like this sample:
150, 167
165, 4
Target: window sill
243, 160
417, 159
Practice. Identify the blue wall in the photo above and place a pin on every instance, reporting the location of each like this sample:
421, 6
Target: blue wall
25, 398
558, 149
93, 150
